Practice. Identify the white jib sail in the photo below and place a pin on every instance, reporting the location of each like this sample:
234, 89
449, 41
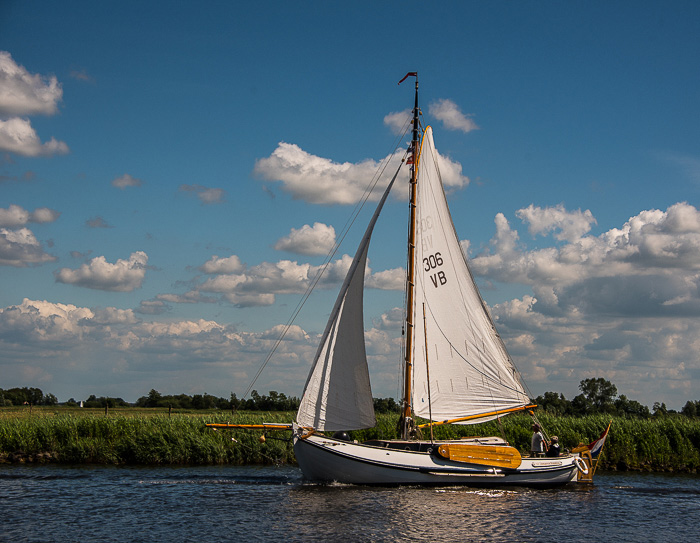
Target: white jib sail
469, 367
337, 395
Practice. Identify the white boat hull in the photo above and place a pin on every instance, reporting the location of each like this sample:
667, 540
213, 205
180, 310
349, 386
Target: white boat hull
328, 459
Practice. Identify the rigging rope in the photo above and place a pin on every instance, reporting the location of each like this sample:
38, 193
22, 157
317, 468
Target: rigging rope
329, 257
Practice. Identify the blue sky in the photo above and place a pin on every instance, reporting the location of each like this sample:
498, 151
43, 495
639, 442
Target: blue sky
155, 230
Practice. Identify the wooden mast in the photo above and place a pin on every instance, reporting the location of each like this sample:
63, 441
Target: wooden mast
406, 421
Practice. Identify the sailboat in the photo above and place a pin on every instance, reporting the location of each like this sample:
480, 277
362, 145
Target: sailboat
456, 371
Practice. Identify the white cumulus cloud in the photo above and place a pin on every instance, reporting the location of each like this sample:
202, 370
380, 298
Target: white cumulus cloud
394, 279
23, 93
315, 179
569, 225
206, 195
20, 248
126, 180
216, 265
318, 239
42, 321
122, 276
653, 241
449, 113
319, 180
243, 286
18, 136
16, 215
74, 347
623, 305
444, 110
398, 120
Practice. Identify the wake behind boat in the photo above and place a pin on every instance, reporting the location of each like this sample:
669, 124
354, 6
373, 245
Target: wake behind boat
457, 369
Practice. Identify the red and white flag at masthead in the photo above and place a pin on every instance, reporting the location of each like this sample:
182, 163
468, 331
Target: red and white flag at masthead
409, 74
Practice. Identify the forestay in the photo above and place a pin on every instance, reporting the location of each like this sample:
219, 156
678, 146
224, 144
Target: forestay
469, 367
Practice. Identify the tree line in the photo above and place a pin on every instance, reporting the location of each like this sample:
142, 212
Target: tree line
274, 401
26, 396
598, 395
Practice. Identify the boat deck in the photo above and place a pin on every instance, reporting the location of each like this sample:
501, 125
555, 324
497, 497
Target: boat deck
428, 446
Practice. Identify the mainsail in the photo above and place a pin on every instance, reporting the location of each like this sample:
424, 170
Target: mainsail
337, 395
455, 341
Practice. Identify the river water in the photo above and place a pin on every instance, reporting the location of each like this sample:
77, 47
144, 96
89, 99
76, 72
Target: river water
85, 504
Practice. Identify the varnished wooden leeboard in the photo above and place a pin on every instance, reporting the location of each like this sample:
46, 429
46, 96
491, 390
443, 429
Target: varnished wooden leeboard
488, 455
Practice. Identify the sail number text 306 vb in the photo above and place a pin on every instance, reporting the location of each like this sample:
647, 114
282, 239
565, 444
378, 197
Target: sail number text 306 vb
432, 263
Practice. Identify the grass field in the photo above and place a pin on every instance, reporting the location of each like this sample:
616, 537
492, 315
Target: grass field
155, 437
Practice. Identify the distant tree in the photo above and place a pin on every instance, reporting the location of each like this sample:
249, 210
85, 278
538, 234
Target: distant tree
581, 405
49, 399
255, 401
203, 401
276, 401
554, 402
181, 401
386, 405
223, 404
152, 399
103, 401
633, 408
600, 394
659, 409
20, 396
691, 408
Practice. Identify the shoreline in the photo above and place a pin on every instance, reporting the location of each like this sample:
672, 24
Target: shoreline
143, 437
20, 458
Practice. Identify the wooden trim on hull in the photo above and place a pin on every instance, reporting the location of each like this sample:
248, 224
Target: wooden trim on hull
323, 459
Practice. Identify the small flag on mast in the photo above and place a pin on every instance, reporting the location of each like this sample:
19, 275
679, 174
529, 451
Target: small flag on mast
409, 74
596, 446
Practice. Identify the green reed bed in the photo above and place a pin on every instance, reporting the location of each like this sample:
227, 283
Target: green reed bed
138, 440
152, 437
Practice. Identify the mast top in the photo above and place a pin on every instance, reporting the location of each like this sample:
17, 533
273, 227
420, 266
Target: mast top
415, 114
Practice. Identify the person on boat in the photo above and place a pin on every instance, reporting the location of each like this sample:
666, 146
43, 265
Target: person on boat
538, 445
553, 449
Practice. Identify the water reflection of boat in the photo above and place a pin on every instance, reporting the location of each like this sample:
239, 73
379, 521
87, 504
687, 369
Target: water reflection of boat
457, 369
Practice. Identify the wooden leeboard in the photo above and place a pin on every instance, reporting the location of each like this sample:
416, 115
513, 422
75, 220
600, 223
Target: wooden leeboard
487, 455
